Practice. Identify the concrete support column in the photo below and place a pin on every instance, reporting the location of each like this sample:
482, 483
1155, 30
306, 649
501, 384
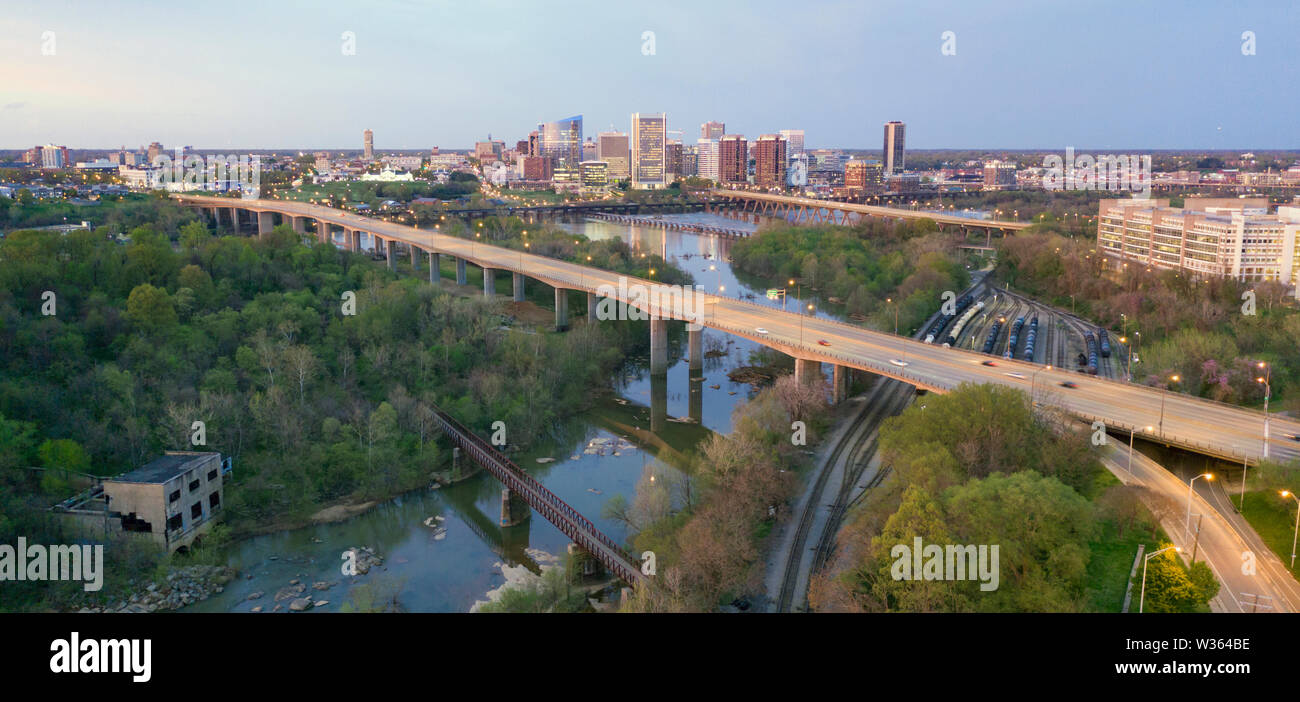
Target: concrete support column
591, 307
840, 383
807, 372
514, 510
658, 346
519, 287
695, 350
460, 272
234, 219
415, 257
435, 264
658, 402
489, 282
561, 309
390, 250
323, 231
356, 240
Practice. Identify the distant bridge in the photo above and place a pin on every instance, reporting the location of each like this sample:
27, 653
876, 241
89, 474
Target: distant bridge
835, 212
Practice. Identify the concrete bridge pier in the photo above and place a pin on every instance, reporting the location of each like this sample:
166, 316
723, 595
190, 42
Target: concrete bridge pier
489, 282
840, 383
695, 350
514, 510
415, 257
591, 307
390, 252
323, 231
460, 272
234, 219
695, 402
435, 264
807, 372
519, 287
561, 309
355, 238
658, 347
658, 402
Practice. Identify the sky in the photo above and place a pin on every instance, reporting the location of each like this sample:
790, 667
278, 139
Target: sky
1031, 74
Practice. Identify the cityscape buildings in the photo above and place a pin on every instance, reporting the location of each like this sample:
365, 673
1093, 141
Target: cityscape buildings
649, 138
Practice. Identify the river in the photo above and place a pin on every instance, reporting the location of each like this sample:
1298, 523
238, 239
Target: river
600, 453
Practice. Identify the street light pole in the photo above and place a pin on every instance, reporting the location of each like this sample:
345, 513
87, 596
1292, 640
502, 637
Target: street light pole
1188, 526
1288, 493
1143, 597
1163, 395
1267, 380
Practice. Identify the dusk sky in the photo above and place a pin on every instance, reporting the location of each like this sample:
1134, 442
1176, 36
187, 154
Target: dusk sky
1027, 74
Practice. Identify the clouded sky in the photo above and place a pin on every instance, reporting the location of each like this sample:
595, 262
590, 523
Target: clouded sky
1114, 74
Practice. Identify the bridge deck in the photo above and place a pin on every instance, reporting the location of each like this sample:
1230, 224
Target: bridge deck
872, 210
1189, 422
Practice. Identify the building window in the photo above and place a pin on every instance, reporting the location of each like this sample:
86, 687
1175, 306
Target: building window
176, 495
194, 486
214, 501
212, 475
174, 523
196, 510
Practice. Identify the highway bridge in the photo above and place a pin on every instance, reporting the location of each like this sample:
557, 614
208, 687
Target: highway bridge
1195, 424
834, 212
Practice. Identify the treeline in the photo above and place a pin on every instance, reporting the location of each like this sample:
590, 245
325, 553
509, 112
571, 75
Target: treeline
862, 266
978, 466
708, 530
1210, 332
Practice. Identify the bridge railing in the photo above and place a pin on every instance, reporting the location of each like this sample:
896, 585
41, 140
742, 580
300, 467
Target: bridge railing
571, 522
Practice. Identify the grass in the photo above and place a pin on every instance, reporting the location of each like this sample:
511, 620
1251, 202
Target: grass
1112, 561
1273, 518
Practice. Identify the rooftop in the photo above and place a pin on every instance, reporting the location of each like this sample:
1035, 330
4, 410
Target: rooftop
165, 467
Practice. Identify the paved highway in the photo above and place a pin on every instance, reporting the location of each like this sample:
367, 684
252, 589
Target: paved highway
1200, 425
788, 201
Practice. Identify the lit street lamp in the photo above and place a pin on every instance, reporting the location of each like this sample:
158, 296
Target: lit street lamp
1172, 378
801, 316
1288, 493
1130, 447
1266, 380
1142, 598
1188, 526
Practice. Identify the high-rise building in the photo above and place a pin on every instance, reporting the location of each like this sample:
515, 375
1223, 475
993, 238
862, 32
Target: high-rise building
712, 130
53, 156
895, 156
673, 160
706, 158
1221, 237
595, 176
589, 150
999, 175
769, 161
535, 143
793, 143
612, 148
368, 144
733, 159
536, 168
561, 141
649, 136
865, 176
154, 151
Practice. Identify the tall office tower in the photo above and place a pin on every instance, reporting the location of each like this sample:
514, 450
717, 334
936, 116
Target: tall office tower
866, 176
561, 141
154, 151
769, 161
649, 135
673, 160
612, 148
589, 150
712, 130
894, 155
690, 162
368, 142
53, 156
706, 158
733, 159
535, 143
793, 143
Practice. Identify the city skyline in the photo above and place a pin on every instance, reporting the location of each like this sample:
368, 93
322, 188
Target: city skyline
117, 65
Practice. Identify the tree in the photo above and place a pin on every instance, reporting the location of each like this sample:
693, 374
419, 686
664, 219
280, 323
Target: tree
302, 365
150, 308
1168, 587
